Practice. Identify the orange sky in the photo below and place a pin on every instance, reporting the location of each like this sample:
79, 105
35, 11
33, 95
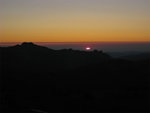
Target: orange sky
74, 20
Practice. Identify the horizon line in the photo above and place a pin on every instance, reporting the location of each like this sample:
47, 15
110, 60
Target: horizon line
83, 42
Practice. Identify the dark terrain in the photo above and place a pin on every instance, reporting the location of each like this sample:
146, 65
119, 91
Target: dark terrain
38, 78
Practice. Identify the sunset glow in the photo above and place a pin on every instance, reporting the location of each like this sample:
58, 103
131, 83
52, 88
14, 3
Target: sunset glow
88, 48
74, 20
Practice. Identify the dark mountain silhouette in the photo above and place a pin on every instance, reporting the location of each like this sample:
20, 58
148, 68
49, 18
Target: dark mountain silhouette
36, 78
65, 58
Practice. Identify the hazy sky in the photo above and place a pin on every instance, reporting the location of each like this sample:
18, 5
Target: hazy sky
74, 20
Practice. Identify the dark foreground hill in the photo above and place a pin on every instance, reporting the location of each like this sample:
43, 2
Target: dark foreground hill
36, 78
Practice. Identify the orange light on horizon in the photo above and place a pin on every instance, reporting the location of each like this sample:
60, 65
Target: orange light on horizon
75, 21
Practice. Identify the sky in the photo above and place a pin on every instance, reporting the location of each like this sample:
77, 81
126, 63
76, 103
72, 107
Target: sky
74, 21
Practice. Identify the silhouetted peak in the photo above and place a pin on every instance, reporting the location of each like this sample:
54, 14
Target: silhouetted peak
27, 44
32, 46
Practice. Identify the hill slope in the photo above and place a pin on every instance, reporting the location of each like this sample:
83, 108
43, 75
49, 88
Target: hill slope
35, 77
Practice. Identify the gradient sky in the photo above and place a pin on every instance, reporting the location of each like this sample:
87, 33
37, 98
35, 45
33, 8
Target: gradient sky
74, 20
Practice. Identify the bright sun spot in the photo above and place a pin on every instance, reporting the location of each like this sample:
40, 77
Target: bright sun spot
88, 48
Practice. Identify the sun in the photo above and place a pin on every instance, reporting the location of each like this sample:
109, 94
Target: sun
88, 48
